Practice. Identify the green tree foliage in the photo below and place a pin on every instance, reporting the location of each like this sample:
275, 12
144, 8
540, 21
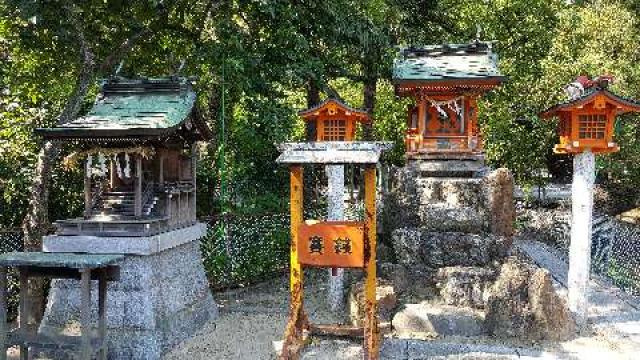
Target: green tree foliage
276, 53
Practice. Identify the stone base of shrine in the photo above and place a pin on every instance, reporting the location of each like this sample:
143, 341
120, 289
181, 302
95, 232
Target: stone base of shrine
473, 205
448, 164
161, 299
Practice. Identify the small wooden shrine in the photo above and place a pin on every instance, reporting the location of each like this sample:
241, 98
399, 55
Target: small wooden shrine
587, 119
332, 120
445, 81
137, 144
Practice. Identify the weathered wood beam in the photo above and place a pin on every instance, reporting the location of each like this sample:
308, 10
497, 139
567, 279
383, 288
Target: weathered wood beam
339, 330
138, 190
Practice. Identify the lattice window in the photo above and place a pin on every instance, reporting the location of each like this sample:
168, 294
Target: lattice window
592, 127
335, 130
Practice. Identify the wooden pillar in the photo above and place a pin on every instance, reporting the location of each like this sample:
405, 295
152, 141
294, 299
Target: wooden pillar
112, 173
138, 189
161, 171
102, 313
422, 111
581, 231
85, 314
23, 311
88, 201
371, 331
293, 333
194, 164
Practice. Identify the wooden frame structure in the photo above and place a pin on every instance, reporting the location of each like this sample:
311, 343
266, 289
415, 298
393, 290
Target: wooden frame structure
588, 120
445, 81
332, 120
361, 251
58, 266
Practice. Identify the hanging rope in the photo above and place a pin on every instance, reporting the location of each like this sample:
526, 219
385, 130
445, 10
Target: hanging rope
451, 104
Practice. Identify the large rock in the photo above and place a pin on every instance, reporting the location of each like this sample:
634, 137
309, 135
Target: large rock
500, 202
396, 274
464, 286
552, 318
385, 296
437, 249
507, 308
436, 319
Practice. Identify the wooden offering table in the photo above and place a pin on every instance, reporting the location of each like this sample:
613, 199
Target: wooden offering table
84, 267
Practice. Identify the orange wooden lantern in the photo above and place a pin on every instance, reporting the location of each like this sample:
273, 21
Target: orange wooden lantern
332, 120
587, 120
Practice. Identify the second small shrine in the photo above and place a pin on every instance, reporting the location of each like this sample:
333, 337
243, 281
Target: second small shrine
445, 186
445, 81
137, 148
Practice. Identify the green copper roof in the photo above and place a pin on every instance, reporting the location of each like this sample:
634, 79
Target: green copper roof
436, 63
146, 107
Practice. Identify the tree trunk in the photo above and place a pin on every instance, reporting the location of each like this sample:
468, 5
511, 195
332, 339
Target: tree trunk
313, 94
369, 91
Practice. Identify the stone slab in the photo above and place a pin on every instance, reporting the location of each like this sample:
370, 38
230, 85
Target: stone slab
333, 152
145, 245
450, 167
58, 260
442, 320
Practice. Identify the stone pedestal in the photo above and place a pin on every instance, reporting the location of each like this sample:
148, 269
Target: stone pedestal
162, 297
335, 212
475, 204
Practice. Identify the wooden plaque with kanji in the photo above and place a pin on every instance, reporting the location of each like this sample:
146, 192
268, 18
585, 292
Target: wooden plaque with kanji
337, 244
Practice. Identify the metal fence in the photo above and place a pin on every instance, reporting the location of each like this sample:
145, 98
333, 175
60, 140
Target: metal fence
615, 252
10, 240
615, 249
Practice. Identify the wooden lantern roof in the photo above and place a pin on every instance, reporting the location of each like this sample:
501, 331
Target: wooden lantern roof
594, 94
438, 68
333, 107
587, 119
134, 110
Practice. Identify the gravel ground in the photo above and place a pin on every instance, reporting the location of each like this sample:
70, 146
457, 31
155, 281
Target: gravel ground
252, 318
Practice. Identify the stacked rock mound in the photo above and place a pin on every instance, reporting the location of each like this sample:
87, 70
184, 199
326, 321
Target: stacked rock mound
448, 272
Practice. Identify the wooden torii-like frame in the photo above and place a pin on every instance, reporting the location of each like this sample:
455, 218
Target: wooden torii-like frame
330, 244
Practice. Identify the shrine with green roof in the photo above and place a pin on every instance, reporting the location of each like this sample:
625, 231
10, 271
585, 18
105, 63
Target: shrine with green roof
137, 147
445, 81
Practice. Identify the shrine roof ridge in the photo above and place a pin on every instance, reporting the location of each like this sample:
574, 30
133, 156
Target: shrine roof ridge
447, 63
143, 108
